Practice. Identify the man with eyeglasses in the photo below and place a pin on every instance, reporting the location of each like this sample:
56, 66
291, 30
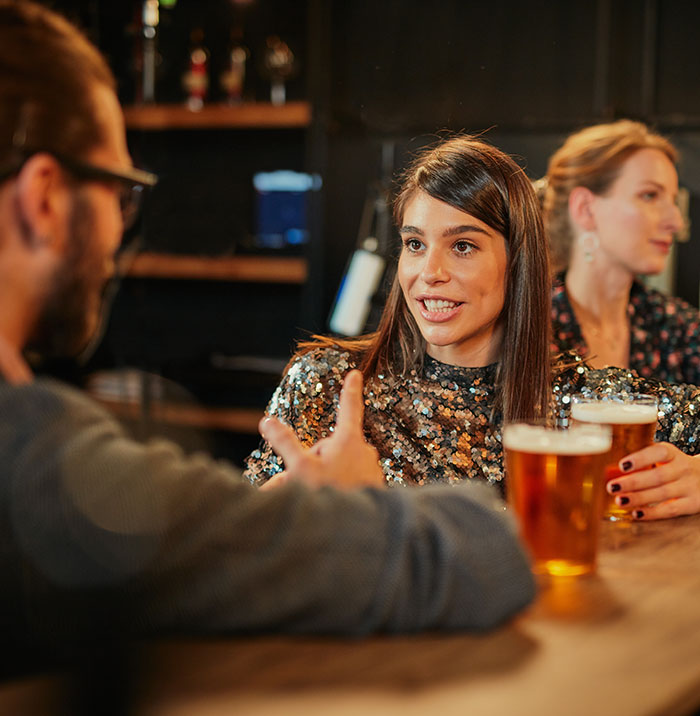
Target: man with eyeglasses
102, 533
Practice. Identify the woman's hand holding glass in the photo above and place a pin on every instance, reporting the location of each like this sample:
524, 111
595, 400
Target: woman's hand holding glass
344, 460
664, 482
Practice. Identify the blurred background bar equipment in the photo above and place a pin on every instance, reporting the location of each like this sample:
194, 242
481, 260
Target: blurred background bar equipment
367, 265
280, 208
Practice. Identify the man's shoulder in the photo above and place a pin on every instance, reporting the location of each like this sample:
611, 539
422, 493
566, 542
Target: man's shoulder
47, 400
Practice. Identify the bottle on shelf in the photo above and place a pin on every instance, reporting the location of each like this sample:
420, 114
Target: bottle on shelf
232, 79
278, 65
149, 23
196, 78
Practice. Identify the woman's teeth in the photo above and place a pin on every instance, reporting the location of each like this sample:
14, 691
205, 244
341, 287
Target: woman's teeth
438, 305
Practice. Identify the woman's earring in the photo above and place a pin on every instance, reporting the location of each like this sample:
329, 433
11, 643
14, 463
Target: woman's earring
589, 243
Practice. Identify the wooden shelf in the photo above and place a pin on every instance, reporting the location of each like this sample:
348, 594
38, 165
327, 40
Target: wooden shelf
260, 269
237, 420
251, 115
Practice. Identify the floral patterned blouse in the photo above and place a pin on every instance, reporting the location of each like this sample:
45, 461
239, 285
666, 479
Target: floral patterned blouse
664, 333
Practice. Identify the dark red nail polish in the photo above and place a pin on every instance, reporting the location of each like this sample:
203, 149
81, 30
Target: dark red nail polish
615, 487
638, 514
627, 465
624, 500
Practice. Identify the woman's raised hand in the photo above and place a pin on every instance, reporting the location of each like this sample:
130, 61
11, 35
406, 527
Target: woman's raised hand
344, 460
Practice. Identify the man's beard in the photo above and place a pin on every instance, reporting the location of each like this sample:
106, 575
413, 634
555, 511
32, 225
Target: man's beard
71, 307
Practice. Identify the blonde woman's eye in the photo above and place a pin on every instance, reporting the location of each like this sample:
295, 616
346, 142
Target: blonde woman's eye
649, 195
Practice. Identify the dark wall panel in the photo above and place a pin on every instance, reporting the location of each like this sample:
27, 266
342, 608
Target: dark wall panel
678, 79
403, 66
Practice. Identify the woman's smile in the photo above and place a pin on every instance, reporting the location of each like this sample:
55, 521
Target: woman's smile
438, 310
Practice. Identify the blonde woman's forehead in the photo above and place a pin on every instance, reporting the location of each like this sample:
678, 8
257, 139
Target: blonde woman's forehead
648, 165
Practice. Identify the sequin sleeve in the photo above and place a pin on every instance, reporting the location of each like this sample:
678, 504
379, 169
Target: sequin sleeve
307, 400
679, 404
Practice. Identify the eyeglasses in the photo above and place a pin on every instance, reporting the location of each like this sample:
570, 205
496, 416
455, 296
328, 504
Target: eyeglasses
132, 181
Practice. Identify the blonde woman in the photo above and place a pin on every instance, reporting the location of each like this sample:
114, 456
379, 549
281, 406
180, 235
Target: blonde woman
611, 215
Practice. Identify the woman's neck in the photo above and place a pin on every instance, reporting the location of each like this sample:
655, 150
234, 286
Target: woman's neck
603, 291
599, 296
478, 351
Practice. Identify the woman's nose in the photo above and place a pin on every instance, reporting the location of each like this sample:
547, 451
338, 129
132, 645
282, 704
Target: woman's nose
676, 219
434, 269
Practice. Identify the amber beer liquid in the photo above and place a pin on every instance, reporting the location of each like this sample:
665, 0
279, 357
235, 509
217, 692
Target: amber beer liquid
555, 486
633, 426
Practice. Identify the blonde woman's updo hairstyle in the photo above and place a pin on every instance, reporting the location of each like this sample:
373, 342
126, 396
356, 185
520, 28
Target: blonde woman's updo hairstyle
591, 158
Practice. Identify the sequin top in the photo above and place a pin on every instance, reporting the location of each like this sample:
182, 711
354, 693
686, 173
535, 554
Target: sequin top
664, 333
440, 425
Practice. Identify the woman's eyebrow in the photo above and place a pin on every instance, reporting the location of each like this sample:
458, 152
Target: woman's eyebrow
646, 183
452, 231
653, 183
465, 229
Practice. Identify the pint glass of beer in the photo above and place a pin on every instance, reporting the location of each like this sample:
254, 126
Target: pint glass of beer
633, 422
555, 485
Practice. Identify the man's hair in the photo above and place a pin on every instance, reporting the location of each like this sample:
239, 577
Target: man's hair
481, 180
48, 72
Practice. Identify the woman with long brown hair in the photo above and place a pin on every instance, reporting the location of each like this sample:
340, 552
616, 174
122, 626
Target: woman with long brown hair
463, 346
450, 354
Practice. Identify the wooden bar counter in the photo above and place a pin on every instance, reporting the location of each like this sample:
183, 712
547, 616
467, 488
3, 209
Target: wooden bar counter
625, 642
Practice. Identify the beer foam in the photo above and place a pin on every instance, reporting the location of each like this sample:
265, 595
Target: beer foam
613, 413
536, 439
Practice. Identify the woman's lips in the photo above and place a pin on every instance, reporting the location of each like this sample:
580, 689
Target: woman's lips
663, 246
438, 310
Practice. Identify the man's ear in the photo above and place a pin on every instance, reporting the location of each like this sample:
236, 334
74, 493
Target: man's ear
44, 201
581, 208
